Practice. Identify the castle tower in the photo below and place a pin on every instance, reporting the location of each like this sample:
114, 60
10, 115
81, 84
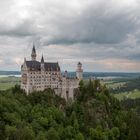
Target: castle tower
33, 54
79, 71
42, 64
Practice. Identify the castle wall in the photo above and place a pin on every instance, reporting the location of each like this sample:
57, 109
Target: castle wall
39, 81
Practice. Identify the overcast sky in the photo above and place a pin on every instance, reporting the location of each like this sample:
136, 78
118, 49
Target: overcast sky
103, 34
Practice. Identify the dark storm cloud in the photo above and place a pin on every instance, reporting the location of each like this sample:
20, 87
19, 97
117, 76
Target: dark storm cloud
99, 22
93, 25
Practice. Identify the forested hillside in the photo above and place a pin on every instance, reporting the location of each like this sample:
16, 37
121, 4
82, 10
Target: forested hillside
128, 86
93, 115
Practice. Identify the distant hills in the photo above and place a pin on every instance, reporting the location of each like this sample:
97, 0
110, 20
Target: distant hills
10, 73
107, 74
87, 74
112, 74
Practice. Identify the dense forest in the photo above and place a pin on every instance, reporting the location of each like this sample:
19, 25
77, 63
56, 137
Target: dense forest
93, 115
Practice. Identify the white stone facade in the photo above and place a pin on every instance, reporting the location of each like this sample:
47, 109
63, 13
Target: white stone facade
38, 76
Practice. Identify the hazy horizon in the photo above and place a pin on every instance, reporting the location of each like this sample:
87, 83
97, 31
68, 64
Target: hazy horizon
84, 71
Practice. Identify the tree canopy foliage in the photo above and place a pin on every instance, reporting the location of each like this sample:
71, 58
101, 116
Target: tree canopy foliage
93, 115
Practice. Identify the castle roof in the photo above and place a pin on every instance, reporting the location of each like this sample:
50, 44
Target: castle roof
36, 66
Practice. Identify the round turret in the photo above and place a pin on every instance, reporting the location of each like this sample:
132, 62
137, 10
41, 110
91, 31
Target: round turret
79, 71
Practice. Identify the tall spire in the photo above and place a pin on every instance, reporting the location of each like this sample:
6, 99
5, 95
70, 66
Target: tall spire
42, 59
42, 63
33, 55
33, 50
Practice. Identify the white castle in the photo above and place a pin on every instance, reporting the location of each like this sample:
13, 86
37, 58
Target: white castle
38, 76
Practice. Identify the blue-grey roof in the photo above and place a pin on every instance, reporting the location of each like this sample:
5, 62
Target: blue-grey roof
36, 65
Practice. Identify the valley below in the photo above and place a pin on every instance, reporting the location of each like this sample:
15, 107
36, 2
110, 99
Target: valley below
121, 85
